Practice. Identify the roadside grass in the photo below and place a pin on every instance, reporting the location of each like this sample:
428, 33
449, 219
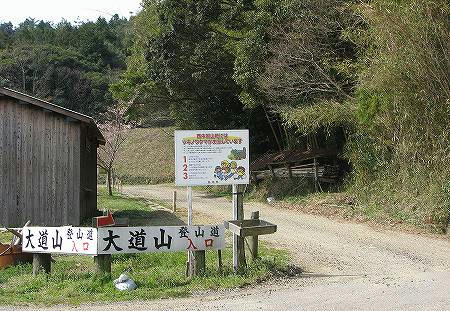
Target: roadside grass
117, 202
216, 191
158, 275
341, 202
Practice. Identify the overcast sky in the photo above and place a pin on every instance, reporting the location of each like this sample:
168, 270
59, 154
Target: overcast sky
16, 11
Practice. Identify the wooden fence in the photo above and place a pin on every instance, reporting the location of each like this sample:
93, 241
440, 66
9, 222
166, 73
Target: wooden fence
326, 173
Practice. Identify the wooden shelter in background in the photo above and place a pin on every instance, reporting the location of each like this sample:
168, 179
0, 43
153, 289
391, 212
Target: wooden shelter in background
48, 162
322, 165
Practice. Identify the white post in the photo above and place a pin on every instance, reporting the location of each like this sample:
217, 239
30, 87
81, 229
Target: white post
235, 236
190, 253
238, 241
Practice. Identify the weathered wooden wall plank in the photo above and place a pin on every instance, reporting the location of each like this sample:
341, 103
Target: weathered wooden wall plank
26, 169
82, 169
12, 146
28, 172
91, 204
76, 175
19, 165
53, 159
36, 164
71, 165
3, 176
41, 160
47, 167
57, 169
40, 209
65, 161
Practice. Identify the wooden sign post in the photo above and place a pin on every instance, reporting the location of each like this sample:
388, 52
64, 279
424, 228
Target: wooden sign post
254, 238
42, 263
238, 241
252, 228
174, 202
103, 265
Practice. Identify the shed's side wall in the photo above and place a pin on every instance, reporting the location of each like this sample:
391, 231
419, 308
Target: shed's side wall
39, 166
88, 173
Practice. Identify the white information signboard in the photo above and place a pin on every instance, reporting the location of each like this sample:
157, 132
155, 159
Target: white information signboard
116, 240
67, 240
211, 157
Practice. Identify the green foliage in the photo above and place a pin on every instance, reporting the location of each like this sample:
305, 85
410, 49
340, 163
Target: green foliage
369, 106
380, 71
71, 66
401, 148
309, 57
182, 66
326, 115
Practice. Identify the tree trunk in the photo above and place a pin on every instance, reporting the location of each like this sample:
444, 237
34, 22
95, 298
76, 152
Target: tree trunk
271, 127
108, 173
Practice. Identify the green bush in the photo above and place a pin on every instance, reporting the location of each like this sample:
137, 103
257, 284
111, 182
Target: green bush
400, 149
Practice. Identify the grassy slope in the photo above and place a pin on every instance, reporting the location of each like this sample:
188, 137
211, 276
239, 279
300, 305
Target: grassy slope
147, 156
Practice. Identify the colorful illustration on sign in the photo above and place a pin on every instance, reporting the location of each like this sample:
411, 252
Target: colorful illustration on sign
236, 154
227, 170
240, 172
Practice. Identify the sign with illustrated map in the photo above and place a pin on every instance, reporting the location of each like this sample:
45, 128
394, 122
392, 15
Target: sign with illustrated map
211, 157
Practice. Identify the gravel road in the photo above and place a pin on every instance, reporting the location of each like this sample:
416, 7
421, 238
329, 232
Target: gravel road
347, 266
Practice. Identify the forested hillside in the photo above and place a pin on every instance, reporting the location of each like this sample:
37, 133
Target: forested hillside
69, 65
368, 77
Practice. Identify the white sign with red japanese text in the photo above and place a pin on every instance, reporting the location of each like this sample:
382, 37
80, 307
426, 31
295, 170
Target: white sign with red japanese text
67, 240
211, 157
116, 240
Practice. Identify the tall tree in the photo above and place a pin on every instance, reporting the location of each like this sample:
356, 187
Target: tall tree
183, 62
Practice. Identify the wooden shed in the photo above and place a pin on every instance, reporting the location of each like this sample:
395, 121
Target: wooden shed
48, 162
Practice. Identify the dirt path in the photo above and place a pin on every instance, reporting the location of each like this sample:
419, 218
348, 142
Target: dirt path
349, 266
